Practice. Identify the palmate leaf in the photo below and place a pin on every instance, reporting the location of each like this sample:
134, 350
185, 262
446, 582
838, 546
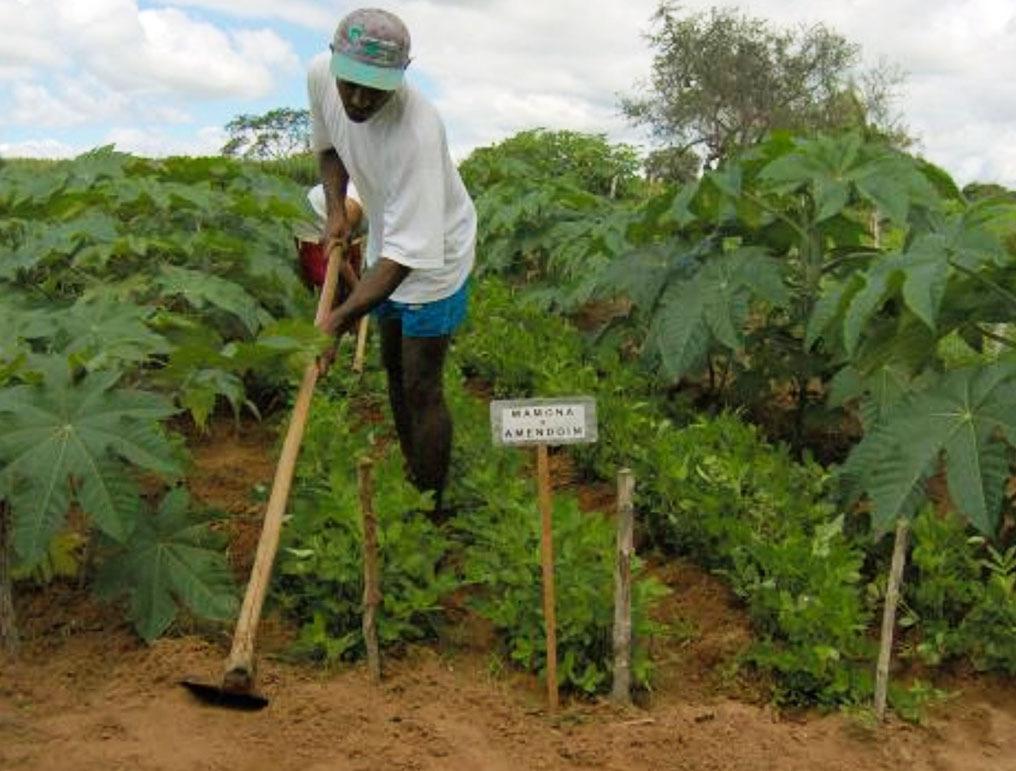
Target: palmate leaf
922, 276
832, 169
713, 305
200, 289
643, 275
63, 440
171, 558
831, 303
44, 242
104, 332
962, 418
679, 330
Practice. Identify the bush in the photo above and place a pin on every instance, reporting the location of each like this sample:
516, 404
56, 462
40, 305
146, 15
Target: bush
744, 508
963, 600
503, 561
320, 574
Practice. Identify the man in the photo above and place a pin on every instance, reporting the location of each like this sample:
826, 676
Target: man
370, 127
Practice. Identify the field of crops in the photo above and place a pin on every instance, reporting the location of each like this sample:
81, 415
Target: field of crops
805, 351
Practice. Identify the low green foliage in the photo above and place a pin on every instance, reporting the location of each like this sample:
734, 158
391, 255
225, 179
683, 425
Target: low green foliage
121, 263
963, 599
172, 558
503, 561
319, 579
499, 524
723, 496
713, 490
65, 441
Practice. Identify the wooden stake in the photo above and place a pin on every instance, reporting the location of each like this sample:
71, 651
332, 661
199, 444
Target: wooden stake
892, 597
8, 624
371, 576
547, 553
621, 693
361, 344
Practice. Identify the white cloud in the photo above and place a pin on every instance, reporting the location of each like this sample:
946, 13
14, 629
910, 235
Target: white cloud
72, 102
154, 143
136, 51
306, 14
24, 38
38, 148
34, 105
499, 66
503, 66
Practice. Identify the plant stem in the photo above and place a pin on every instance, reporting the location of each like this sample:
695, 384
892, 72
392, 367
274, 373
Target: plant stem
8, 625
776, 213
892, 598
835, 263
997, 288
996, 337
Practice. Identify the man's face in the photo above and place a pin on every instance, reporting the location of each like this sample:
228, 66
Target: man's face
360, 102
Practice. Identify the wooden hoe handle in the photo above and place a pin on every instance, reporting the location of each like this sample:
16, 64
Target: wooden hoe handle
239, 674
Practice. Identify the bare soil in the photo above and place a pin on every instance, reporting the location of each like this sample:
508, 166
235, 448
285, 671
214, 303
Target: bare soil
86, 694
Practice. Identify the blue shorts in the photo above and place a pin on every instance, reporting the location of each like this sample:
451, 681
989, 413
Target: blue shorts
434, 319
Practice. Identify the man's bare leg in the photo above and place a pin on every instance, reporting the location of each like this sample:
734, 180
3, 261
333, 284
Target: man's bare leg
430, 422
391, 358
415, 368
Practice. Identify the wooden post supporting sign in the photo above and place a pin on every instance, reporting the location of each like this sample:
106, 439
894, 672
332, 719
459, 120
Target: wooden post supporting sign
547, 563
541, 423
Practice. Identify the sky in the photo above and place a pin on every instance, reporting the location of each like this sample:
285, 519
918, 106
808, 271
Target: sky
160, 77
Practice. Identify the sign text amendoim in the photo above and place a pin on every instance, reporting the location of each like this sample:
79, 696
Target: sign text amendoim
544, 421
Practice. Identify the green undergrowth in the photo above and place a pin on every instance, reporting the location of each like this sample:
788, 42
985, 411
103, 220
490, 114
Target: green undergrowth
133, 290
961, 599
710, 488
488, 552
809, 573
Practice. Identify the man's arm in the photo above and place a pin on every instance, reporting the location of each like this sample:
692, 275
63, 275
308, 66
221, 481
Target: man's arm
375, 287
335, 179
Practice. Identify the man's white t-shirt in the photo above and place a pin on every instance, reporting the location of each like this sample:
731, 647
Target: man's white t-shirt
418, 211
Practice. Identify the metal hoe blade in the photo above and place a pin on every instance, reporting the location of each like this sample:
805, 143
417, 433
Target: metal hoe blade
217, 696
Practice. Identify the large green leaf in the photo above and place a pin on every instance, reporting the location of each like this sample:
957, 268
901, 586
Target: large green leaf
830, 304
679, 329
960, 417
925, 276
105, 333
863, 304
831, 169
170, 559
201, 289
64, 440
714, 304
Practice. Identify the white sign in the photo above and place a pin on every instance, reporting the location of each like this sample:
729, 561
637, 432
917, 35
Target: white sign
520, 422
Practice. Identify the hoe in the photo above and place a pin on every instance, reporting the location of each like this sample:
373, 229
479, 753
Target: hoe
237, 689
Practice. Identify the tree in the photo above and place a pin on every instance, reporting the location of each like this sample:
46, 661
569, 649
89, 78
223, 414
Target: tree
587, 160
279, 133
722, 80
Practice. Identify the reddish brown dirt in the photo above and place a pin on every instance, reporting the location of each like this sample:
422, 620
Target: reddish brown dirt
92, 697
85, 694
230, 463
